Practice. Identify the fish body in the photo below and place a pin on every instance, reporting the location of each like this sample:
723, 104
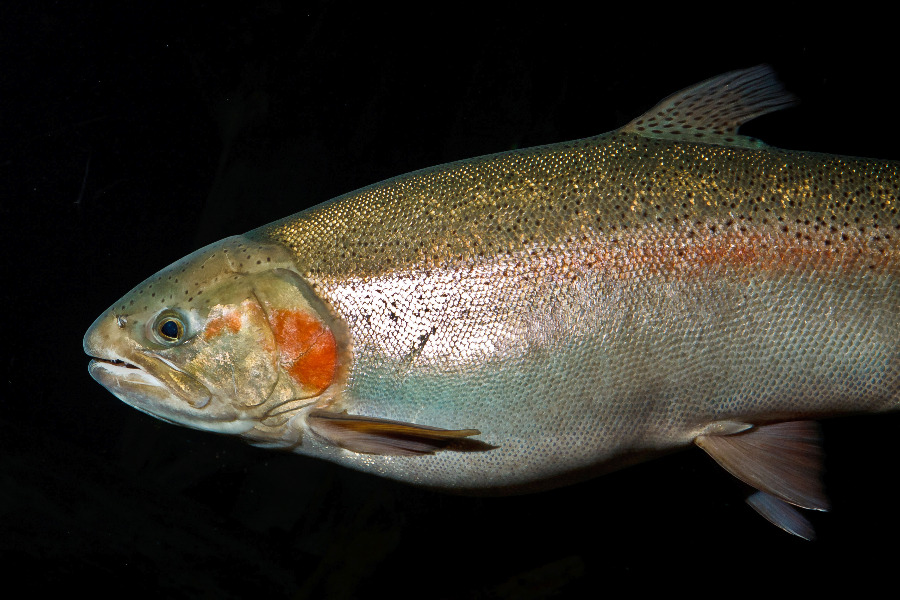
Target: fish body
526, 319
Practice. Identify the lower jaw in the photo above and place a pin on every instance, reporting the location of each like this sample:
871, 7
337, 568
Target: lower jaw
140, 390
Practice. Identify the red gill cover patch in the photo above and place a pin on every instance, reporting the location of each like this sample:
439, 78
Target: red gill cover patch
307, 348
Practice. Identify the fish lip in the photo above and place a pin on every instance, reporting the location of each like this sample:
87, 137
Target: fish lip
113, 361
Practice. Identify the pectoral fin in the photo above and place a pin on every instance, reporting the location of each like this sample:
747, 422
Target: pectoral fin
371, 435
784, 460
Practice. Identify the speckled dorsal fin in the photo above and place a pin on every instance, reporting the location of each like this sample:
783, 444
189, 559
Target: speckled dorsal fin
371, 435
711, 111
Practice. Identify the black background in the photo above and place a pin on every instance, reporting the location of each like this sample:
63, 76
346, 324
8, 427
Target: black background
132, 134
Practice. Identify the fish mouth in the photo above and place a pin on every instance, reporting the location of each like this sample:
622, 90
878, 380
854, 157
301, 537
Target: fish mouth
163, 391
130, 383
118, 362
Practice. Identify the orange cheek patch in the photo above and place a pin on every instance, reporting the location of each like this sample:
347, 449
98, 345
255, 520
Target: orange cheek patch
307, 348
227, 318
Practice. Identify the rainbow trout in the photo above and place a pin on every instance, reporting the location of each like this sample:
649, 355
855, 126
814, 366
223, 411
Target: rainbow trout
527, 319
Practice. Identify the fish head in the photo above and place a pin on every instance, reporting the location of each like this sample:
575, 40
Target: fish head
229, 339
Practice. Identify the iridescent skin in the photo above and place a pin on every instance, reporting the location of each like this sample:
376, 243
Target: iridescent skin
582, 305
585, 302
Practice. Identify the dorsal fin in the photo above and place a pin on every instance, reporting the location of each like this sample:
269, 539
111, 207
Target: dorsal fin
711, 111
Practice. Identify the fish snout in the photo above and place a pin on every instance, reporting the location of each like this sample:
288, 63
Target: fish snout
153, 384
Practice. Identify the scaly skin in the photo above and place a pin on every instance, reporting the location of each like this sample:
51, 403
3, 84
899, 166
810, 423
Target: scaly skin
591, 302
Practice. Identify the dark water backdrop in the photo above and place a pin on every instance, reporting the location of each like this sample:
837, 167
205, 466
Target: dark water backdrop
132, 134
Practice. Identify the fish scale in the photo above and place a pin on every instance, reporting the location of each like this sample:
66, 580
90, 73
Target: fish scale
612, 189
527, 319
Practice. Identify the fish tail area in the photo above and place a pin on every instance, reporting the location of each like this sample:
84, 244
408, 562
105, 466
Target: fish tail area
784, 461
371, 435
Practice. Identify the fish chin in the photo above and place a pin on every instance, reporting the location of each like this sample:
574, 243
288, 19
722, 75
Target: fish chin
147, 393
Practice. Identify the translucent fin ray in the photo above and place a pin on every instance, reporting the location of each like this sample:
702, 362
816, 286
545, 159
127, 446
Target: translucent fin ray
370, 435
711, 111
782, 459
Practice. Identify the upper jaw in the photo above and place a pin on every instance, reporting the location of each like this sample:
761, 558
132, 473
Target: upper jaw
105, 342
98, 339
114, 361
97, 345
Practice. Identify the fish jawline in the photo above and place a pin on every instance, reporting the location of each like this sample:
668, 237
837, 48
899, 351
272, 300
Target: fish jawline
123, 380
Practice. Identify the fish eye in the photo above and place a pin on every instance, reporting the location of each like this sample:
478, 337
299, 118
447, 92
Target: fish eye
169, 328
